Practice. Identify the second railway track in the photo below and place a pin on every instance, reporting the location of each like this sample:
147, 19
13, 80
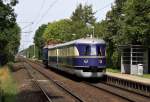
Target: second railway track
125, 94
126, 99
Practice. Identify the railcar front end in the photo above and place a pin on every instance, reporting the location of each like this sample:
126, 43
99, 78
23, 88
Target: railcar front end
91, 61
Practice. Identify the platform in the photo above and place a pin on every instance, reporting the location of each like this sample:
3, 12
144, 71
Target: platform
130, 77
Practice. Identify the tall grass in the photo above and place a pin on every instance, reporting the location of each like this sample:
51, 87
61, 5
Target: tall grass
7, 85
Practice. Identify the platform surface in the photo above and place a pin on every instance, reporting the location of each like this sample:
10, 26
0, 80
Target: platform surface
130, 77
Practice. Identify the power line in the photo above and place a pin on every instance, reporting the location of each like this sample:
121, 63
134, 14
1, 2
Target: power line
50, 7
38, 14
103, 7
31, 23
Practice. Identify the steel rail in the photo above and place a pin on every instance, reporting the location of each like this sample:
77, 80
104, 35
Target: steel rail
37, 84
115, 93
73, 94
136, 91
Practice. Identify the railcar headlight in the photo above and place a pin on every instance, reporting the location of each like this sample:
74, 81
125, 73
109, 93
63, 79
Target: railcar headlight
86, 61
100, 60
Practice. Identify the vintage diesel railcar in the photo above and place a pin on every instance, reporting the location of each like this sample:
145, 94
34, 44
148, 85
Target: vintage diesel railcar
83, 57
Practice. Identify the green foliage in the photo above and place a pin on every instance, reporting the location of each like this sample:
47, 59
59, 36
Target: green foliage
39, 40
9, 31
58, 30
146, 76
127, 23
112, 70
8, 85
84, 14
137, 21
73, 28
31, 52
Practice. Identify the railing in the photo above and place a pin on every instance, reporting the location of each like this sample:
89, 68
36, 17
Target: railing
140, 88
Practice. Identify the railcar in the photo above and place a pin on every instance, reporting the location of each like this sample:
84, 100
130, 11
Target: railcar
83, 57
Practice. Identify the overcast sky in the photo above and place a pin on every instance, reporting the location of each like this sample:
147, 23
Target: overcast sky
33, 13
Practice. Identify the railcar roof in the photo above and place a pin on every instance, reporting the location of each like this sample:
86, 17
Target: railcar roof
80, 41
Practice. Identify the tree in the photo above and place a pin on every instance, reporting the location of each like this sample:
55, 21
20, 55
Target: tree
73, 28
136, 22
39, 40
82, 16
127, 23
58, 30
109, 30
9, 31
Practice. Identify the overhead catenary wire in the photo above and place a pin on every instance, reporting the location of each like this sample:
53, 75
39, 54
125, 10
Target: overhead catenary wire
46, 12
104, 7
30, 24
39, 11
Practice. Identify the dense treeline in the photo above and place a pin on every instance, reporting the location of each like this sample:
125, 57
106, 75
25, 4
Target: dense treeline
128, 22
9, 31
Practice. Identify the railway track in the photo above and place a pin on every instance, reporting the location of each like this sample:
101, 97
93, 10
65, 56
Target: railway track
135, 87
125, 94
37, 84
69, 92
129, 96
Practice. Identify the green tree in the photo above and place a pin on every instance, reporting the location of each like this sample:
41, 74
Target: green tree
39, 40
9, 31
136, 23
73, 28
109, 30
58, 30
82, 16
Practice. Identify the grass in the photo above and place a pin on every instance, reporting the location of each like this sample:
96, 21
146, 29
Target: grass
112, 70
146, 76
7, 85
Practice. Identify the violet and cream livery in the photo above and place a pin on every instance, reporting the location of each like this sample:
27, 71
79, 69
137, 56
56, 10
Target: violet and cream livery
83, 57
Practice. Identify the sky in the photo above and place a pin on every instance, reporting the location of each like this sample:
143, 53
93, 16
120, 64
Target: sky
33, 13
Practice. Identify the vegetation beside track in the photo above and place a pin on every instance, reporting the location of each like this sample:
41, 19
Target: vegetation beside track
7, 85
9, 31
146, 76
113, 70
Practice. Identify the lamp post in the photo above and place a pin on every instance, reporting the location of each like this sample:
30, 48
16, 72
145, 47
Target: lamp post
91, 27
34, 51
73, 36
93, 31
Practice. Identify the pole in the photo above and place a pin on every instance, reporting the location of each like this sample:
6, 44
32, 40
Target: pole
93, 31
34, 51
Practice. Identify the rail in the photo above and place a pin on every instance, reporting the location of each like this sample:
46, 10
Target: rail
36, 84
73, 94
126, 85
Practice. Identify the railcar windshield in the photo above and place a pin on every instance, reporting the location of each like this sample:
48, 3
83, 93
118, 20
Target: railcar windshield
90, 50
93, 50
100, 49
